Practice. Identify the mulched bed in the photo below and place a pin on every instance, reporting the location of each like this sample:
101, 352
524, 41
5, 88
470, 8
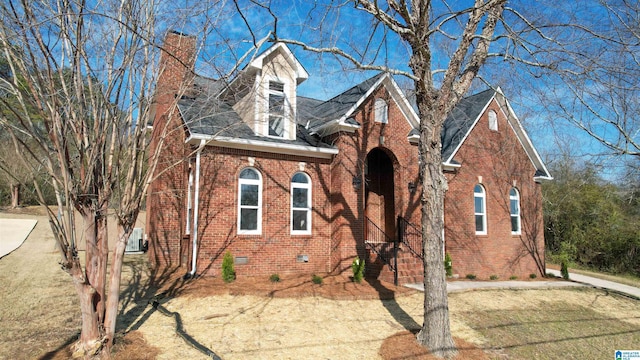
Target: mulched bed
337, 287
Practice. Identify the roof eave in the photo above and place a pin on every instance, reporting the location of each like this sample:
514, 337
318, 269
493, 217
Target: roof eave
539, 179
264, 146
334, 126
448, 166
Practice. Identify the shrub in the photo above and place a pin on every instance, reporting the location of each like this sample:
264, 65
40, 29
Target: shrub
357, 266
316, 279
512, 277
274, 278
532, 276
493, 277
448, 268
564, 269
228, 271
471, 276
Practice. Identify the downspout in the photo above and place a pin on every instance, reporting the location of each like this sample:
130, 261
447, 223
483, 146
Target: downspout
196, 203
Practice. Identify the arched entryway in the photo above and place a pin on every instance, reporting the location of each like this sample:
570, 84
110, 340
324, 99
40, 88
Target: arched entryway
379, 195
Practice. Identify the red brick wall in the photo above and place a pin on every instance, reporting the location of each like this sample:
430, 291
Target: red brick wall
275, 250
502, 163
348, 203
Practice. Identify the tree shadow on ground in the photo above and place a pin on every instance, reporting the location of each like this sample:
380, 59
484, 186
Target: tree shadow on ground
144, 294
60, 350
388, 297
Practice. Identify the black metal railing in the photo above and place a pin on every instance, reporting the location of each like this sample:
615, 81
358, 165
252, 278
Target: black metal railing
375, 234
410, 236
385, 248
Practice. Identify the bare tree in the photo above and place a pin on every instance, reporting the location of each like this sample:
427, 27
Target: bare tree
417, 26
593, 78
80, 77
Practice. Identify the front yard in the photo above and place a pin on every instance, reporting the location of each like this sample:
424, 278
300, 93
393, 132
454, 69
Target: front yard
39, 316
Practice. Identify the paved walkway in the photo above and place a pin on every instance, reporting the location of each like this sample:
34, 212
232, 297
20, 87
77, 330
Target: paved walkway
599, 283
13, 233
575, 280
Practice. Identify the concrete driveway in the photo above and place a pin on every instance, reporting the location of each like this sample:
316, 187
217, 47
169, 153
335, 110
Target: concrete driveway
575, 280
600, 283
13, 233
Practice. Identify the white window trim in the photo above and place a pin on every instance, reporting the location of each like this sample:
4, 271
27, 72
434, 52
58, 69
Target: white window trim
493, 120
285, 116
258, 182
483, 196
383, 106
515, 197
309, 203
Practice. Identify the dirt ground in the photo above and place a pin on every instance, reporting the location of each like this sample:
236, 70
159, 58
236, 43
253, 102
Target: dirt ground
165, 317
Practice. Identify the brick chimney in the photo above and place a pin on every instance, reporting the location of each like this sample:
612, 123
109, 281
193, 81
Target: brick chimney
177, 61
167, 191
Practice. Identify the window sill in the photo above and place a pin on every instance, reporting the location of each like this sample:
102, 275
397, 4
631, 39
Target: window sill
301, 234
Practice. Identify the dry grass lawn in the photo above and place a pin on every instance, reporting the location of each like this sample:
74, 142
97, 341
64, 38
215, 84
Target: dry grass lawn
253, 318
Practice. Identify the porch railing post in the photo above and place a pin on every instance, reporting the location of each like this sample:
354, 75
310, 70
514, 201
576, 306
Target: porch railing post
396, 244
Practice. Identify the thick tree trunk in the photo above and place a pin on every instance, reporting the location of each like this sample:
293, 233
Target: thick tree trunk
91, 287
435, 333
15, 195
97, 252
88, 284
90, 339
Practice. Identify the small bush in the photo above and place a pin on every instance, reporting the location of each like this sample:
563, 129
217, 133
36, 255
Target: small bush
471, 276
228, 271
532, 276
564, 269
357, 266
493, 277
274, 278
550, 275
513, 277
316, 279
448, 266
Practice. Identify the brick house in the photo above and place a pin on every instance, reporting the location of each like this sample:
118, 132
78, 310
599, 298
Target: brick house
291, 185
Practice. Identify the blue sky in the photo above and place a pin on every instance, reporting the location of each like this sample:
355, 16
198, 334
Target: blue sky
351, 30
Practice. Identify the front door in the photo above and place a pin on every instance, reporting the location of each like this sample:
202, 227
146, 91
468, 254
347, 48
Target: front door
379, 191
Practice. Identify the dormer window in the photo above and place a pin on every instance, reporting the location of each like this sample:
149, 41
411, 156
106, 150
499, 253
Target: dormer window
276, 126
381, 111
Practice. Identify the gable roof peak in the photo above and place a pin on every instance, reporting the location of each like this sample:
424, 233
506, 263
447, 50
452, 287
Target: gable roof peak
464, 117
257, 63
337, 110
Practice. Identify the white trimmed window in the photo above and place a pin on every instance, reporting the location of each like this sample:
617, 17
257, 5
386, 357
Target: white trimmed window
249, 202
300, 204
381, 111
480, 209
514, 209
277, 125
493, 120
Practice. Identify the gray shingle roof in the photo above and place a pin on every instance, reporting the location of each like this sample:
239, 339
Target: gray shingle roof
337, 106
461, 119
205, 114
